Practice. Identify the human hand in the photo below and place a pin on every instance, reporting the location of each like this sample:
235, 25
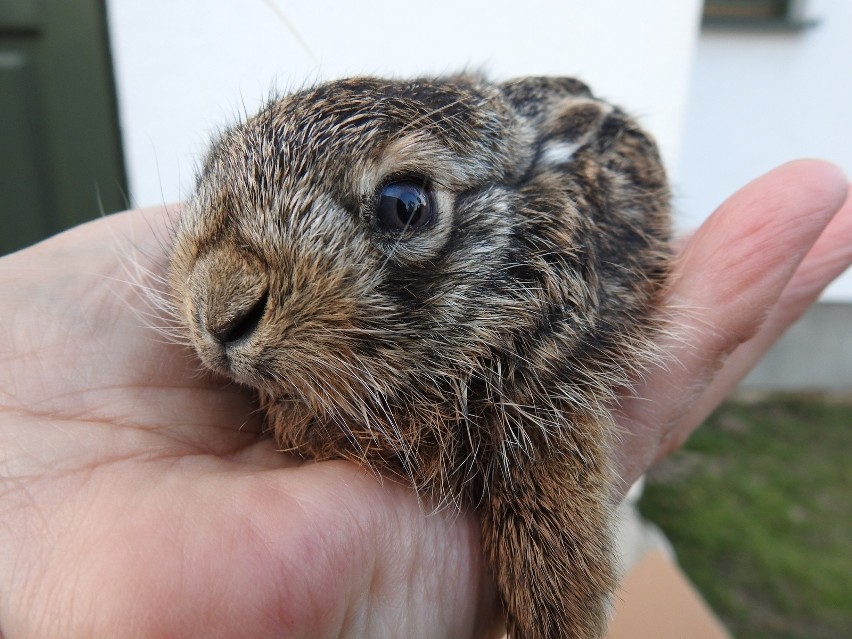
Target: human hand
751, 270
138, 500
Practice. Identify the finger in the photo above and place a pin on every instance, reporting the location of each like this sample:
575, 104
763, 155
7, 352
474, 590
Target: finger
728, 278
827, 259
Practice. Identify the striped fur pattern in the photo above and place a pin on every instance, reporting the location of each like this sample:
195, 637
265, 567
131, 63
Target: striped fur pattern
475, 357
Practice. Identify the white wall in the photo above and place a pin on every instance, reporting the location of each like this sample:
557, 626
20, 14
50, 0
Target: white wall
759, 99
187, 67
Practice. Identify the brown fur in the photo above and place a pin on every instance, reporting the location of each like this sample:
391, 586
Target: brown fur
475, 357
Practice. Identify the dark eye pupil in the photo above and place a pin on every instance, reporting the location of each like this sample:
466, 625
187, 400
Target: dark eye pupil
404, 205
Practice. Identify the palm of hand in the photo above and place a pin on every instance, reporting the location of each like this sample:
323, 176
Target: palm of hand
139, 500
147, 496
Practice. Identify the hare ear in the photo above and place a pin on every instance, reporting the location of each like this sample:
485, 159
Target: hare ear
571, 124
535, 96
562, 112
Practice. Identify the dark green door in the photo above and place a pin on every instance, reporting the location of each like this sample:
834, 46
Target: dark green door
60, 153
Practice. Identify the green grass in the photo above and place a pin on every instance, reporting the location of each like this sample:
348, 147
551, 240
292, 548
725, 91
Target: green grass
758, 506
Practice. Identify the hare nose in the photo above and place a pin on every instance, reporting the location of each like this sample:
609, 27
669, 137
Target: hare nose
242, 324
230, 296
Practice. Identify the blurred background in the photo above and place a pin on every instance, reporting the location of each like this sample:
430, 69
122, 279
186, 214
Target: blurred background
109, 104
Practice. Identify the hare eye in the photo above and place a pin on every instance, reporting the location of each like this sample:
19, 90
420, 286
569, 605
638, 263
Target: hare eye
405, 204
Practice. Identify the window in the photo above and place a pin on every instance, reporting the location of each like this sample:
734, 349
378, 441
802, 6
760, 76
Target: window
760, 14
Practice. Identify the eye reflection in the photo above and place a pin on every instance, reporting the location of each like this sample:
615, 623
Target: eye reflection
404, 204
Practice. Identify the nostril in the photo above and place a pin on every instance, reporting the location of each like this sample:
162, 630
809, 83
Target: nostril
243, 324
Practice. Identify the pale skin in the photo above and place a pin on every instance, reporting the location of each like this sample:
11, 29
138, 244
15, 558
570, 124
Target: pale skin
137, 500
